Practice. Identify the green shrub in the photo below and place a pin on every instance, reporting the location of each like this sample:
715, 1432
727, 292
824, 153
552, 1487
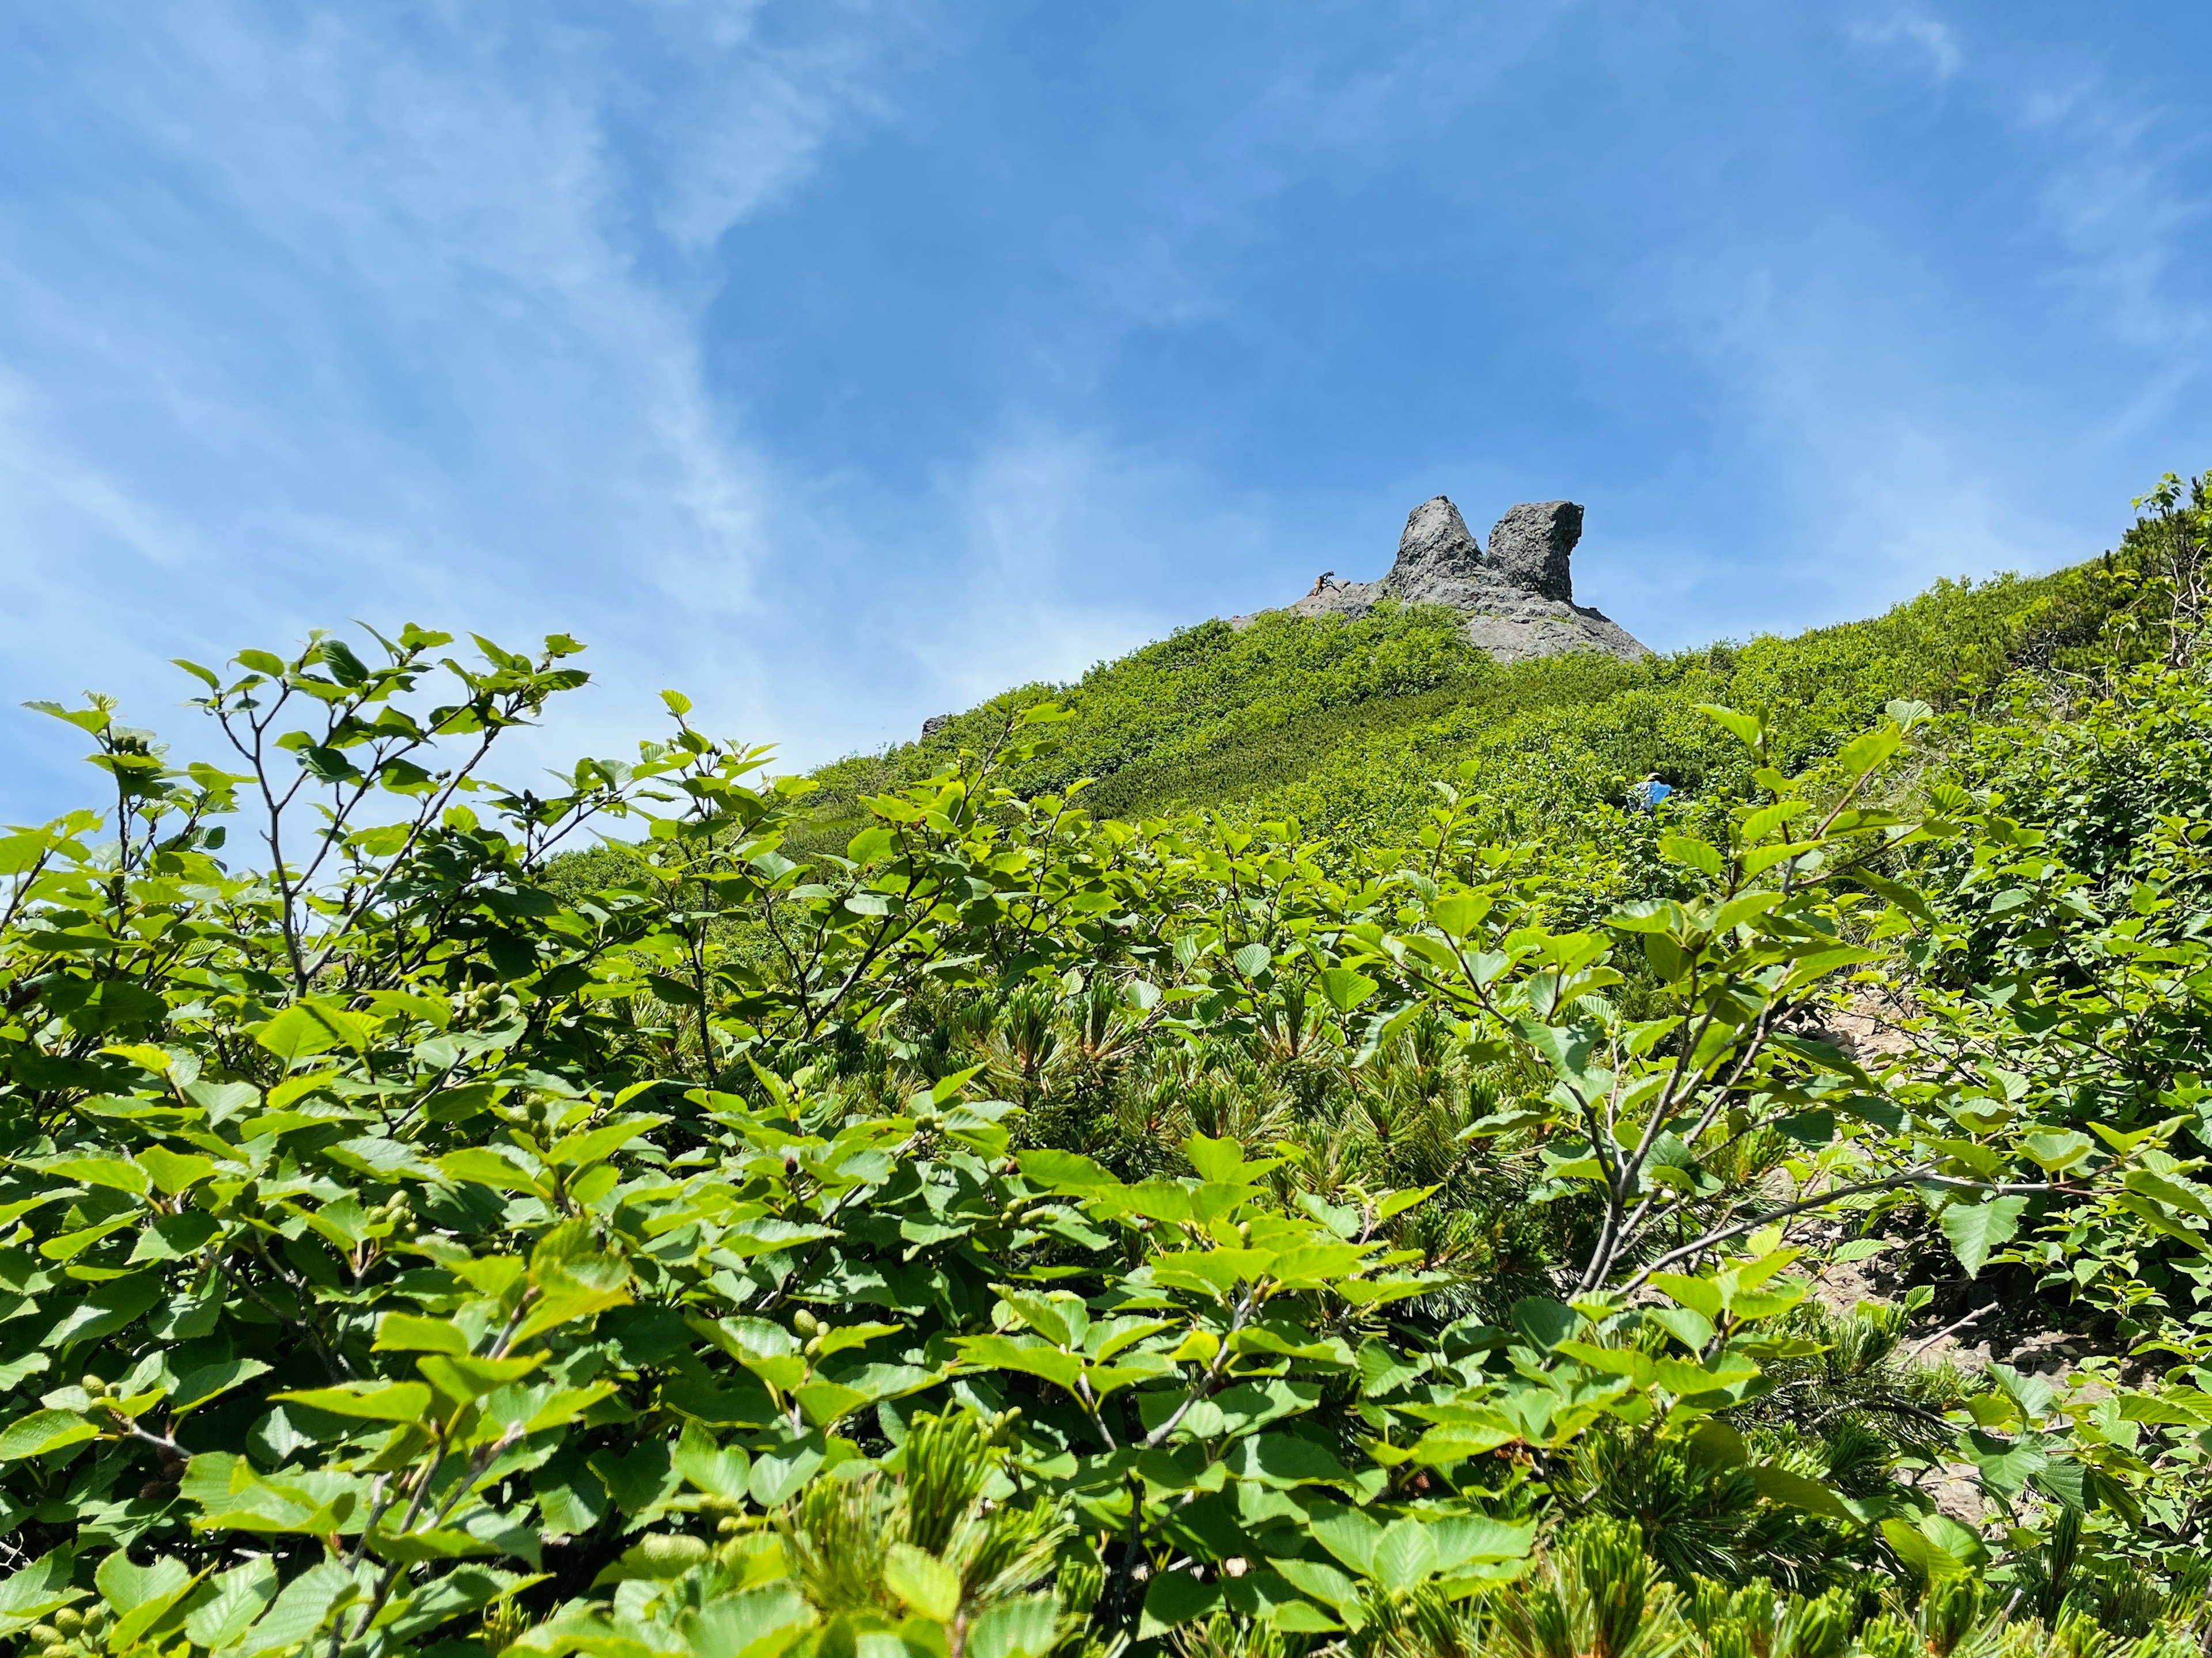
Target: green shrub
1014, 1232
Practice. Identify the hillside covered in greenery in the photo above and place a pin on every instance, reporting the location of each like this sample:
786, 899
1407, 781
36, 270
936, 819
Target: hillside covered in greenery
1345, 724
1408, 1207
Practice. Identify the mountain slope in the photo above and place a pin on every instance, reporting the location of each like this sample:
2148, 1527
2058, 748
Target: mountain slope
1343, 722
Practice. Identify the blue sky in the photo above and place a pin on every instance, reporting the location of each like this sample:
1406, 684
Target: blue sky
845, 363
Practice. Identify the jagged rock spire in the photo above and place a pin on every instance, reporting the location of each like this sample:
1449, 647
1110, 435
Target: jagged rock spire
1437, 544
1533, 546
1518, 594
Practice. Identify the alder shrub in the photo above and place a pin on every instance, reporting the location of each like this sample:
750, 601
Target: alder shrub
1028, 1234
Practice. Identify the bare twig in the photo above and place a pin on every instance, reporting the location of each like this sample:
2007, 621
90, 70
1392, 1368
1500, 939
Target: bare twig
1956, 1324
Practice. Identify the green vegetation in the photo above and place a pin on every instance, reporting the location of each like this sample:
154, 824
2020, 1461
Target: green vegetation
1344, 725
1207, 688
1006, 1230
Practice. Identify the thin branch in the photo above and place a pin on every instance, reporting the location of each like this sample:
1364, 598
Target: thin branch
1206, 1382
1956, 1324
1890, 1183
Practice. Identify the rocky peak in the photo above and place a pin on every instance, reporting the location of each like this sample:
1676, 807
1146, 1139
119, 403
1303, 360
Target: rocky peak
1518, 591
1533, 546
1436, 543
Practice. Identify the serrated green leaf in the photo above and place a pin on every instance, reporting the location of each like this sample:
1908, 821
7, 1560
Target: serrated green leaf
1975, 1228
391, 1401
42, 1431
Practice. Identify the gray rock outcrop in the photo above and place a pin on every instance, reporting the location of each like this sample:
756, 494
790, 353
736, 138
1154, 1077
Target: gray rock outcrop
1517, 593
1533, 545
1436, 546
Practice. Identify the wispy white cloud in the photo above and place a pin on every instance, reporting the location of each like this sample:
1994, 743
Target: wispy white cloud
1044, 551
1877, 469
1911, 38
746, 135
348, 312
2116, 208
1926, 385
1432, 63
